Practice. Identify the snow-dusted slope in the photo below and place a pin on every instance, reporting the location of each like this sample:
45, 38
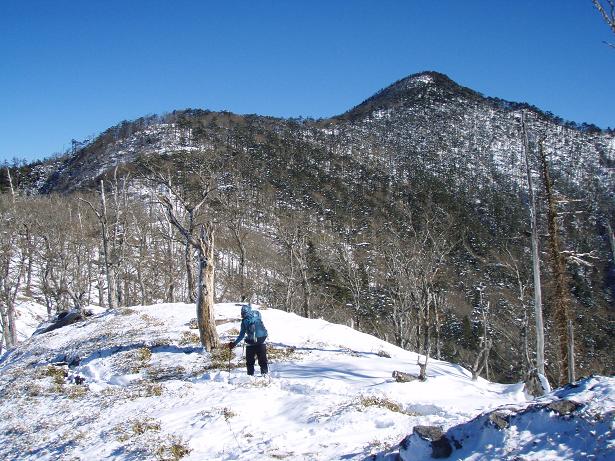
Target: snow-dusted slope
151, 393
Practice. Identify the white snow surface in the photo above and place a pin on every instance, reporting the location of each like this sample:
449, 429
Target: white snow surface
151, 392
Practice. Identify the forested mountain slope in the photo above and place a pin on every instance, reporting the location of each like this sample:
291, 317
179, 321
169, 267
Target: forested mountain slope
406, 216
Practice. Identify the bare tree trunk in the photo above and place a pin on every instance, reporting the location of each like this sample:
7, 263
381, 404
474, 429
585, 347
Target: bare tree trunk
540, 336
4, 322
10, 294
481, 359
562, 299
205, 296
243, 292
170, 288
288, 306
8, 174
101, 286
485, 334
189, 260
437, 324
300, 252
289, 237
29, 252
204, 245
571, 370
109, 267
426, 340
305, 285
526, 347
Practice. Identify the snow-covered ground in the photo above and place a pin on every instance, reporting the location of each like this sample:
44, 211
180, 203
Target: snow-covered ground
150, 392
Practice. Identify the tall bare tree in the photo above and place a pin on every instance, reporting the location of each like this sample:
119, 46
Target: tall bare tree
540, 335
12, 262
112, 232
237, 217
203, 242
563, 321
350, 263
481, 361
190, 195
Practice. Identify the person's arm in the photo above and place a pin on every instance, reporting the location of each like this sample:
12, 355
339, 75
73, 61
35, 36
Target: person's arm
242, 333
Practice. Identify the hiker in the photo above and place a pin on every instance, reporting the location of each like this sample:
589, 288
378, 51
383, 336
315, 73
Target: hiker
254, 330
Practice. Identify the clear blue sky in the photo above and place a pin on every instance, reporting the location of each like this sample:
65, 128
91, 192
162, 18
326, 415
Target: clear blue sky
69, 69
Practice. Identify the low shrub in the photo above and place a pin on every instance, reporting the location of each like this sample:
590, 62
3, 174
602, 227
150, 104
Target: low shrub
382, 402
173, 449
189, 338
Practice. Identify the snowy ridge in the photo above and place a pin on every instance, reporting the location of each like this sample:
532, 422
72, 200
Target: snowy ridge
150, 393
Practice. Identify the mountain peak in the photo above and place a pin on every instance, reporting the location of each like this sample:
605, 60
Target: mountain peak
425, 77
409, 89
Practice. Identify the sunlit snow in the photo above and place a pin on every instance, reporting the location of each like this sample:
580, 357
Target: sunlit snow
150, 392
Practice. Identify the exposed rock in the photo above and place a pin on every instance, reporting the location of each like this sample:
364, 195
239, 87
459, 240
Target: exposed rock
441, 448
62, 319
430, 433
563, 407
402, 377
440, 444
499, 419
536, 385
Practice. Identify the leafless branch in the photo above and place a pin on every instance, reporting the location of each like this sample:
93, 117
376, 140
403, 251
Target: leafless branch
606, 8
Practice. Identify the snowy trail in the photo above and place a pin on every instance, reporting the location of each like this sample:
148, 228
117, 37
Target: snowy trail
150, 393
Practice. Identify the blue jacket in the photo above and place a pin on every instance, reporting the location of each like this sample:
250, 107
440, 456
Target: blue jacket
249, 315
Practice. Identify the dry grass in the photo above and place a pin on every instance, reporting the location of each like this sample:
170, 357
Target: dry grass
220, 359
140, 359
173, 449
76, 391
225, 412
166, 373
189, 338
228, 413
135, 427
150, 390
151, 321
285, 354
58, 374
381, 402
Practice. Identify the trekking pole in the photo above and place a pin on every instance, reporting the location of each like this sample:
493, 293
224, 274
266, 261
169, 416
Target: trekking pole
230, 355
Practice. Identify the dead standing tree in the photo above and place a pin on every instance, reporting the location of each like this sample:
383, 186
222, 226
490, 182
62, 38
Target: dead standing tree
350, 260
293, 237
200, 238
112, 235
482, 359
540, 336
562, 315
12, 263
237, 216
414, 261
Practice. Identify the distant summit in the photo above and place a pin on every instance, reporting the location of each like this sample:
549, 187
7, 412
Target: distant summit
411, 90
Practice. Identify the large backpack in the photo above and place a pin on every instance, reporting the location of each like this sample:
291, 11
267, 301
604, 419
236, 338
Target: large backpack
254, 323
